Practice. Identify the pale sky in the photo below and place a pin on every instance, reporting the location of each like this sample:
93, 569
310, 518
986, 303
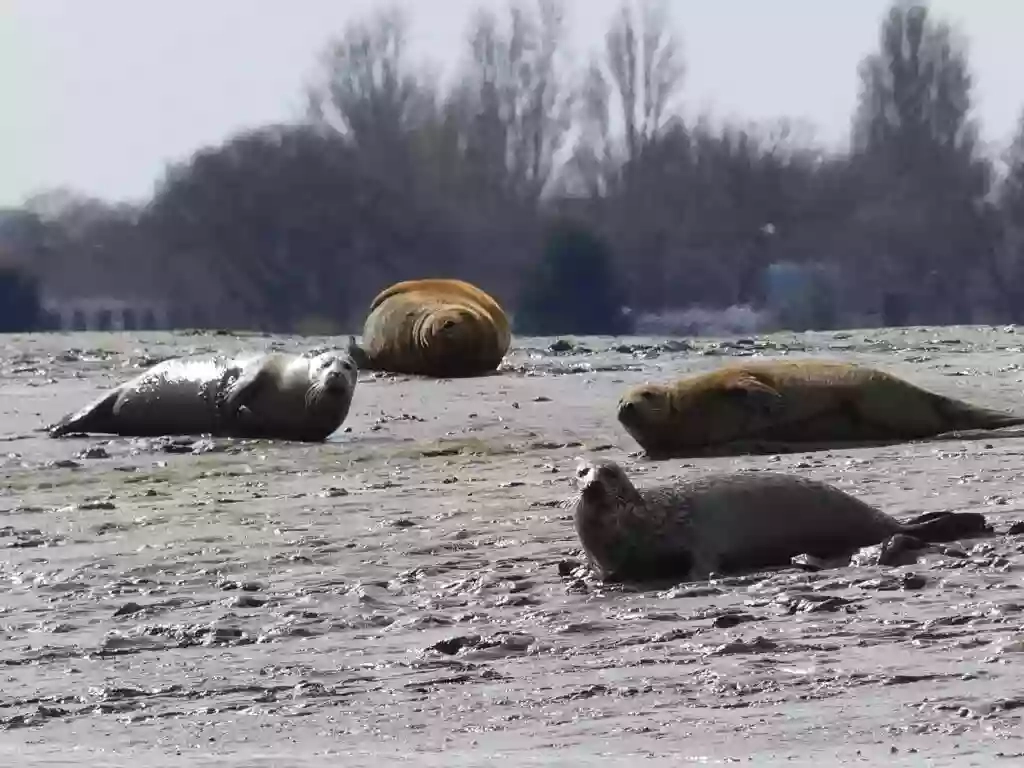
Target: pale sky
99, 95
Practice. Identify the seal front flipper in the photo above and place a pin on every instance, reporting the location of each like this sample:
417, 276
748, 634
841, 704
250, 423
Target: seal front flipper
242, 392
761, 398
947, 526
95, 417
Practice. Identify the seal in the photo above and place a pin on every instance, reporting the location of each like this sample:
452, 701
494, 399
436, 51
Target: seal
434, 327
782, 406
730, 523
278, 396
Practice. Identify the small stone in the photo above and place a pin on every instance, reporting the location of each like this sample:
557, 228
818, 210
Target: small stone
809, 563
97, 505
93, 452
246, 601
128, 609
913, 581
567, 567
63, 464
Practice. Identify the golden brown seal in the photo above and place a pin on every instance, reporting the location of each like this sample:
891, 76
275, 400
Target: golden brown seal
279, 396
434, 327
791, 405
730, 522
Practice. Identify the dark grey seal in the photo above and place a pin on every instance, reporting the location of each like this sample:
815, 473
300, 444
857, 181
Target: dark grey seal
279, 396
730, 522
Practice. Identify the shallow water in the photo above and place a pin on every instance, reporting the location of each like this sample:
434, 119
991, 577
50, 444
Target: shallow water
396, 593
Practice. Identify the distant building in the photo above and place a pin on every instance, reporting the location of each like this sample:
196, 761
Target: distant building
111, 313
106, 314
82, 289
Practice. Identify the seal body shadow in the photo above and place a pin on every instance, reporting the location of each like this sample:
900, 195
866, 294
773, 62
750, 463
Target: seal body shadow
288, 397
792, 405
442, 328
730, 523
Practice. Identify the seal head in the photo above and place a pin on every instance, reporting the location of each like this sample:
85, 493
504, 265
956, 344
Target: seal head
291, 397
709, 410
619, 531
332, 379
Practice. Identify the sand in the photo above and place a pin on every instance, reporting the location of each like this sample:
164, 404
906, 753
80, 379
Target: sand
395, 596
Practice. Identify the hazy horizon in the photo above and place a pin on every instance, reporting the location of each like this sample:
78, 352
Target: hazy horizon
118, 89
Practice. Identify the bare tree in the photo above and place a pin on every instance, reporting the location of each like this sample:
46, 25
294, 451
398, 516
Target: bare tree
915, 99
636, 80
915, 141
368, 89
1005, 261
293, 228
513, 99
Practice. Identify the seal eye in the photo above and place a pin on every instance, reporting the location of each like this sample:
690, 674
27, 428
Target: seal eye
449, 323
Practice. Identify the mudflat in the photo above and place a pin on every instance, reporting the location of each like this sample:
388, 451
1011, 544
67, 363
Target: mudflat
405, 593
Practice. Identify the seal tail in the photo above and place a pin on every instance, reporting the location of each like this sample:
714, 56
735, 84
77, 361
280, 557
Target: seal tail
65, 426
87, 419
947, 526
964, 416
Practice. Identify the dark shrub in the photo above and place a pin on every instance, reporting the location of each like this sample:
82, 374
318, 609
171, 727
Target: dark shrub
573, 287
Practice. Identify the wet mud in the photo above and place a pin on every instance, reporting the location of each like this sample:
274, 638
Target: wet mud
411, 590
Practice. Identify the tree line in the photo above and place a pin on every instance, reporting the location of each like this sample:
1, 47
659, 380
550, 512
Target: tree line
571, 195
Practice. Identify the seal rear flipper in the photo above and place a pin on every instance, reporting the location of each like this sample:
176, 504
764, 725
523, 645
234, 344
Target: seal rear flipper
95, 417
964, 416
947, 526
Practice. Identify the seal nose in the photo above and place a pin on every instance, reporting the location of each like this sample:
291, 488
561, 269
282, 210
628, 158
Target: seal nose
626, 408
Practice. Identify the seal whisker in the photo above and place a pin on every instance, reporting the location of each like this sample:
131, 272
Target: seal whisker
312, 396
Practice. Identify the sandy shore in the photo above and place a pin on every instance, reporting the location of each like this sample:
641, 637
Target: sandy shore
395, 594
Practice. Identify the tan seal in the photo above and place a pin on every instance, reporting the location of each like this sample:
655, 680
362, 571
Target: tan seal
791, 405
280, 396
435, 327
729, 523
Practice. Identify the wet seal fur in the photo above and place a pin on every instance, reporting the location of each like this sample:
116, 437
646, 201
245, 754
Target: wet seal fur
783, 406
730, 523
278, 396
435, 327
